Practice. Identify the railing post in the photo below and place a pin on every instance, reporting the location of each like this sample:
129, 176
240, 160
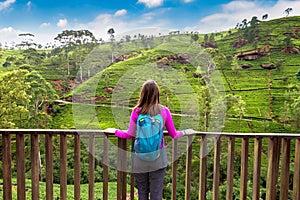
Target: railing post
91, 166
63, 166
105, 168
273, 165
174, 168
121, 179
202, 170
285, 169
49, 167
6, 159
76, 167
132, 177
216, 176
188, 168
256, 167
230, 168
244, 169
35, 171
20, 146
296, 184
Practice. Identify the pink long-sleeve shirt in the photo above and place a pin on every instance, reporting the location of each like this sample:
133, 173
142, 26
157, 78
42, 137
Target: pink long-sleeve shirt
168, 123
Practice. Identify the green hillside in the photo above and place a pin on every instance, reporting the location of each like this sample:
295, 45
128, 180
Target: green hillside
241, 80
263, 91
266, 93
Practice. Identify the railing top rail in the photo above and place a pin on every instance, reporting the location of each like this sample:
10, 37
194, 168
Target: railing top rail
101, 132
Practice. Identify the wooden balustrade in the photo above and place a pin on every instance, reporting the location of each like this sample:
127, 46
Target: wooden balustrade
279, 163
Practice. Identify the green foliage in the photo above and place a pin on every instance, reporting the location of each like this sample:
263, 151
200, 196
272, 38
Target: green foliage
13, 97
6, 64
194, 37
84, 188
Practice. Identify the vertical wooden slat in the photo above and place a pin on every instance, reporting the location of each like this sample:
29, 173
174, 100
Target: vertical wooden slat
272, 175
35, 166
285, 169
296, 183
63, 166
49, 167
174, 168
20, 148
91, 166
132, 177
131, 187
257, 167
216, 176
105, 168
122, 158
244, 169
6, 165
76, 167
202, 170
230, 168
188, 168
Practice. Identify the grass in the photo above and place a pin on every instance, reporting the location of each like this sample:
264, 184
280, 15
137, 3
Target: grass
84, 188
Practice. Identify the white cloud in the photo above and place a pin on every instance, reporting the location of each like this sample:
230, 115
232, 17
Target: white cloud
62, 23
188, 1
100, 25
120, 13
236, 11
45, 24
9, 35
6, 4
151, 3
29, 4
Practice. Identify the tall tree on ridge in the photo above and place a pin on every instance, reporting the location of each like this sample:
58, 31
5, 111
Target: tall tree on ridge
111, 32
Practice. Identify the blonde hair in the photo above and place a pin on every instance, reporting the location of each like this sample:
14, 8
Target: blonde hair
149, 98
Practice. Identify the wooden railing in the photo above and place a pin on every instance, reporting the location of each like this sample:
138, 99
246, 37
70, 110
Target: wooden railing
278, 162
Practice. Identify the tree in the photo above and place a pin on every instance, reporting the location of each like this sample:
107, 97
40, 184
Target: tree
254, 21
251, 32
27, 41
265, 17
32, 56
235, 65
212, 37
13, 97
288, 43
71, 40
205, 38
288, 11
295, 111
194, 37
245, 23
42, 94
111, 32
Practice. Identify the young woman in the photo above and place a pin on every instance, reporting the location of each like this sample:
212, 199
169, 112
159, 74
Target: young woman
149, 175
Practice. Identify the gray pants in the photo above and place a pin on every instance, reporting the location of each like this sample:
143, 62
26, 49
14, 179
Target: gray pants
150, 182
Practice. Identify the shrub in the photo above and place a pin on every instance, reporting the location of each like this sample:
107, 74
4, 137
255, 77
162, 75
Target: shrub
6, 64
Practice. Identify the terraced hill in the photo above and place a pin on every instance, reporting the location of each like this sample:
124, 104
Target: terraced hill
257, 65
264, 90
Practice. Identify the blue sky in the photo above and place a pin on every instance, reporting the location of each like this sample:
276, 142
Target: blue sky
46, 18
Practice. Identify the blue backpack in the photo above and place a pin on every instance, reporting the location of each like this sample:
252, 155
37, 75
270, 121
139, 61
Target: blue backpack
149, 137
